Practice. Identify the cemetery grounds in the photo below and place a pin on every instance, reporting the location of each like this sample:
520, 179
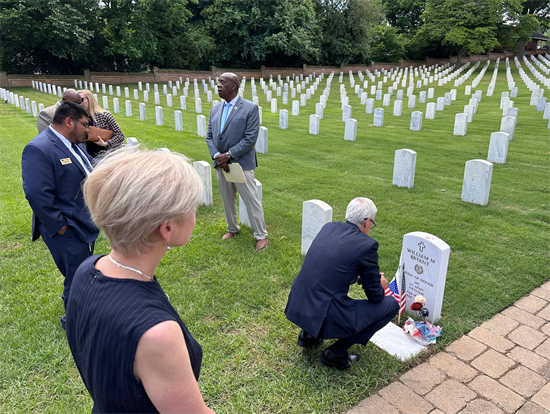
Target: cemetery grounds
232, 298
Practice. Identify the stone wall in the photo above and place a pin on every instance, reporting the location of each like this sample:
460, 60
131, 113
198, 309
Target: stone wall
165, 75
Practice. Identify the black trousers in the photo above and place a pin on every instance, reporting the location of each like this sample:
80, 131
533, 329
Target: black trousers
386, 311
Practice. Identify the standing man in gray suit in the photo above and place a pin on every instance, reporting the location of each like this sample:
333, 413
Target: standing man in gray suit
233, 129
45, 117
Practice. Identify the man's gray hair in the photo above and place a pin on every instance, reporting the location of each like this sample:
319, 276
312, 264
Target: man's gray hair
359, 209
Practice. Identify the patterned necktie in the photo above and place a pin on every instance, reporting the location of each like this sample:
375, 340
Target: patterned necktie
83, 157
224, 115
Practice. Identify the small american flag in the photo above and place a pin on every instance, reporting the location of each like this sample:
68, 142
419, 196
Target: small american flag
397, 289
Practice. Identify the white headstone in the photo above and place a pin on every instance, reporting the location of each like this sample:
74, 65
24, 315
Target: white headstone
461, 124
145, 96
295, 108
183, 102
469, 110
508, 125
283, 119
178, 120
404, 166
169, 100
314, 124
498, 148
319, 110
378, 119
425, 258
350, 131
477, 182
261, 143
132, 143
157, 98
397, 108
201, 125
128, 107
158, 115
204, 169
430, 110
315, 214
142, 114
198, 105
346, 113
116, 108
416, 121
370, 106
105, 102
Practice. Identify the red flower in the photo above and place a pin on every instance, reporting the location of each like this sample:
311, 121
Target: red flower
416, 306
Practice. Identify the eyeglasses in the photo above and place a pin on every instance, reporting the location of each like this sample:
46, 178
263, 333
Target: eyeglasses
373, 223
85, 125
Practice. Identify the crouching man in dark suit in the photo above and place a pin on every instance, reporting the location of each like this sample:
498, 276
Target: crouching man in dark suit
341, 254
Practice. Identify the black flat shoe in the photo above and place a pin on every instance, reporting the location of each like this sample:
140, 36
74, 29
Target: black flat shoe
305, 340
341, 362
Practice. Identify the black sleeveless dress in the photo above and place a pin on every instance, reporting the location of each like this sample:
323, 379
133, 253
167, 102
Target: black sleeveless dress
106, 317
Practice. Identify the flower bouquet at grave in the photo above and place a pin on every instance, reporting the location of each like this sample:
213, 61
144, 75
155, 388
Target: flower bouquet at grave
423, 332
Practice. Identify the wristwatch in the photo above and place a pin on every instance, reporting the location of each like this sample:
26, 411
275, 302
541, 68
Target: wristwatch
228, 154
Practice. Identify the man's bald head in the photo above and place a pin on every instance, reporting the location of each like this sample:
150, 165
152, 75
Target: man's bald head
70, 95
228, 86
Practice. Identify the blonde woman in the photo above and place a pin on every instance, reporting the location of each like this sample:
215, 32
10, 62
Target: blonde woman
132, 349
103, 119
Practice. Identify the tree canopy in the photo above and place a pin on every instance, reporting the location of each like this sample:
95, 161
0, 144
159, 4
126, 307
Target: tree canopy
67, 36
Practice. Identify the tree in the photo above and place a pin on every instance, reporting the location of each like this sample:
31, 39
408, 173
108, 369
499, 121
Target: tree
387, 45
468, 25
249, 33
404, 15
47, 36
347, 30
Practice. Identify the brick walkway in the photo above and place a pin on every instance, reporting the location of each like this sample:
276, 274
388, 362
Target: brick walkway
502, 366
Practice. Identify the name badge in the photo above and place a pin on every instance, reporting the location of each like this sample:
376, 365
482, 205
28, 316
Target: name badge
65, 161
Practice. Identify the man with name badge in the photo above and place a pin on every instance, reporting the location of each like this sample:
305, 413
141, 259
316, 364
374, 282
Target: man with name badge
54, 164
233, 129
340, 255
45, 117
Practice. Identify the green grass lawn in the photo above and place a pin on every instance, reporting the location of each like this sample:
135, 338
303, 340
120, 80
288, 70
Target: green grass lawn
232, 298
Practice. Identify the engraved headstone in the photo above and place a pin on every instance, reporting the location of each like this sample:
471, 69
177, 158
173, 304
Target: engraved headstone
183, 102
392, 339
370, 106
128, 107
469, 110
498, 147
204, 170
198, 106
319, 110
425, 258
295, 108
315, 214
283, 119
105, 102
477, 182
416, 121
346, 113
404, 166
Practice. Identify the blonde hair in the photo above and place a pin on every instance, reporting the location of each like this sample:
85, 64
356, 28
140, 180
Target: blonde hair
130, 193
93, 106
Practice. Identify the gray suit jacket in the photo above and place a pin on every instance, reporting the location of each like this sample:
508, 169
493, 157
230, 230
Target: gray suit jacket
239, 134
45, 117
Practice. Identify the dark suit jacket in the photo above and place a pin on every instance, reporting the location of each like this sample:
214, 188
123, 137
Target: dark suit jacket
239, 134
53, 188
339, 254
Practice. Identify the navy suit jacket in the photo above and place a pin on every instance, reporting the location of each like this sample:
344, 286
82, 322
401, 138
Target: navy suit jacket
239, 134
52, 182
319, 294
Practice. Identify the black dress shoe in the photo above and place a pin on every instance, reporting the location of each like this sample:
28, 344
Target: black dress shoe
305, 340
341, 362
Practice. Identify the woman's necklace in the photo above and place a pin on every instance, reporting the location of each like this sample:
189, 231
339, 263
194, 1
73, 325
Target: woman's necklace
130, 268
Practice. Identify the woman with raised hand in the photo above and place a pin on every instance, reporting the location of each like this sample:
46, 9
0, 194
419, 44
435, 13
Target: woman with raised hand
104, 133
131, 347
